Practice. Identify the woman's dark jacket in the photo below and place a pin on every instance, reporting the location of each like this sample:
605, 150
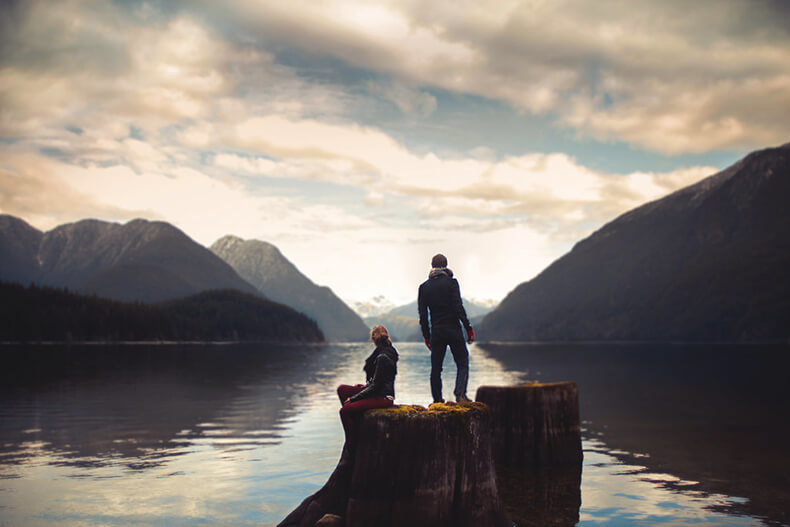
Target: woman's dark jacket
380, 370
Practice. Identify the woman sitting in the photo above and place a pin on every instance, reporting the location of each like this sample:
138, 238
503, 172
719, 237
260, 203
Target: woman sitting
379, 392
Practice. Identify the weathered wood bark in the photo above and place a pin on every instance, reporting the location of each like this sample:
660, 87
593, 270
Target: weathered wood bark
534, 424
413, 467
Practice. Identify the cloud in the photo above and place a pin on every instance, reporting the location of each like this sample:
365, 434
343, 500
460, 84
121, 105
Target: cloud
656, 75
56, 69
27, 190
550, 191
653, 74
408, 99
675, 118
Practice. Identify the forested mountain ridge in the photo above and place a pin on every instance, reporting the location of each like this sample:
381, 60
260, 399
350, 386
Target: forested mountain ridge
707, 262
35, 313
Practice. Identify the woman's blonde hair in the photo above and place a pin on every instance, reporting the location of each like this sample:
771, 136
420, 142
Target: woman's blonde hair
380, 336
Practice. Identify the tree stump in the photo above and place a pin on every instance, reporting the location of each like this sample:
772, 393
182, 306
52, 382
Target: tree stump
534, 424
411, 466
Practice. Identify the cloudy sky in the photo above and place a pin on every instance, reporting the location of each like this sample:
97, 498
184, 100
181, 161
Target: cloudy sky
363, 137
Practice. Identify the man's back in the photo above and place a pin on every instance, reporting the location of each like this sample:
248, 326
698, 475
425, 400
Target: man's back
440, 296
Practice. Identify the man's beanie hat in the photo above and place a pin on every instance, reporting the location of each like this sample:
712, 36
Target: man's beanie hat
439, 260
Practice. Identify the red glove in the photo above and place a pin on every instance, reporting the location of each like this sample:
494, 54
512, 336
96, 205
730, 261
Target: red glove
428, 343
470, 335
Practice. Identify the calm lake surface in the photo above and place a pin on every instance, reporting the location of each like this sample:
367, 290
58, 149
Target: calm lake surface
241, 434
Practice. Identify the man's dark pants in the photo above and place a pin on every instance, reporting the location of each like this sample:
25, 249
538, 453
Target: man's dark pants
440, 339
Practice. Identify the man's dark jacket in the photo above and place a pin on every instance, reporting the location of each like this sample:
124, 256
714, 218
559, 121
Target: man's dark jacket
441, 295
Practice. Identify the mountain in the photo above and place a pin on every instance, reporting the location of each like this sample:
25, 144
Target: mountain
707, 262
35, 313
473, 309
403, 322
264, 266
19, 245
400, 327
141, 260
375, 306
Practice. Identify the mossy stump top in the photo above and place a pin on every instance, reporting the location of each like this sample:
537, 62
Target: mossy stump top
434, 411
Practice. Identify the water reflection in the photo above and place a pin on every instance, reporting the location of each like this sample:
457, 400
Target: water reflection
616, 493
546, 497
149, 434
97, 405
239, 435
714, 417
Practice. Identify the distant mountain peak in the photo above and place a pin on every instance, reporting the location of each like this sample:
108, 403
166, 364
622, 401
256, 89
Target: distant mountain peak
228, 240
255, 255
265, 267
377, 305
231, 241
8, 221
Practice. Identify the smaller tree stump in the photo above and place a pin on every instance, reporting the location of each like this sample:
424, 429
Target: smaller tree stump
534, 424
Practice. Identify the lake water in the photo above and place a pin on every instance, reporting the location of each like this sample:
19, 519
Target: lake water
241, 434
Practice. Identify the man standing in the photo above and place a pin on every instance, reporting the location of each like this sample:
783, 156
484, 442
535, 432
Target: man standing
440, 296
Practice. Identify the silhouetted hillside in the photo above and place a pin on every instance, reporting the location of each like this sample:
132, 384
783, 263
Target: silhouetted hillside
139, 260
34, 313
708, 262
264, 266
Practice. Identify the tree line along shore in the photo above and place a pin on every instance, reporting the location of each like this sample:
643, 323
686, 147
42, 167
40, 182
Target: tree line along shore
36, 313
